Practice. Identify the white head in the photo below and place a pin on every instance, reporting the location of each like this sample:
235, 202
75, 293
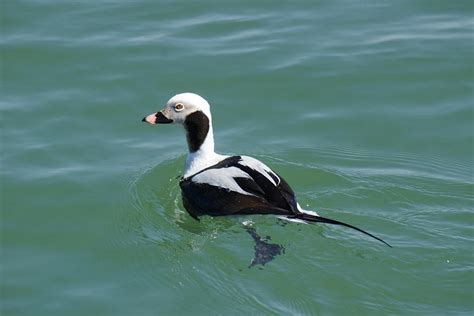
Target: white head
178, 108
194, 113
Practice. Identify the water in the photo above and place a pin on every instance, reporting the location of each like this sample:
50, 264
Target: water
365, 107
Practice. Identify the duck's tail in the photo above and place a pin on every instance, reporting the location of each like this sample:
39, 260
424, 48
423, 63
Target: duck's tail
319, 219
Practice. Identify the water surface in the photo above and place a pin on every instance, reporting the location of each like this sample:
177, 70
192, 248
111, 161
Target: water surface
365, 107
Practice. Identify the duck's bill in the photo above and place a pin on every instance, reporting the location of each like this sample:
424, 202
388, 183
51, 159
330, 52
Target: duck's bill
157, 118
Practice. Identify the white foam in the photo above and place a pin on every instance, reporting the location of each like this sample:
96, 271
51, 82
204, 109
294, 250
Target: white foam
294, 220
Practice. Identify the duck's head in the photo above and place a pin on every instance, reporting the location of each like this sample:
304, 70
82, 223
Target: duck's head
179, 109
193, 112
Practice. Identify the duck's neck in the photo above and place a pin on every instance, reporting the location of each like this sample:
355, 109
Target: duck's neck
200, 138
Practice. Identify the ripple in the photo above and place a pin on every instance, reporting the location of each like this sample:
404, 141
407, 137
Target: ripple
365, 108
435, 27
156, 220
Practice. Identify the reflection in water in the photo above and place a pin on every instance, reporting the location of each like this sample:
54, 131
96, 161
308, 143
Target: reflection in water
264, 251
156, 197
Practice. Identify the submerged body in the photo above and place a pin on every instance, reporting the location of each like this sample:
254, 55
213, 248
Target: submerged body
219, 185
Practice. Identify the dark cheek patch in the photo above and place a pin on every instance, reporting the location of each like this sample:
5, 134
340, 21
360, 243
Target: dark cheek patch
197, 127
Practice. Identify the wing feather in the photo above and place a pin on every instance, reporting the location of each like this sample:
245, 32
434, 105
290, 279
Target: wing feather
237, 185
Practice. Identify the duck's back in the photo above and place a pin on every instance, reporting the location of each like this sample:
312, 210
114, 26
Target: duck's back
237, 185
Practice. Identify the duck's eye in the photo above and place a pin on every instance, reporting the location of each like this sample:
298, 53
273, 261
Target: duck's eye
178, 107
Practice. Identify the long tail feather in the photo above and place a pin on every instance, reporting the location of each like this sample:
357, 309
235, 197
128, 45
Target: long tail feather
320, 219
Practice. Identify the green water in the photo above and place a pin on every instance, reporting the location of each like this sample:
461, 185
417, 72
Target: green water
365, 107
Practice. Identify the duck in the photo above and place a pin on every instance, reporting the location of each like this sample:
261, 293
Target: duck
224, 185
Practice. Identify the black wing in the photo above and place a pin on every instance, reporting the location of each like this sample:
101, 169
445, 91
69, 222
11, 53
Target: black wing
257, 192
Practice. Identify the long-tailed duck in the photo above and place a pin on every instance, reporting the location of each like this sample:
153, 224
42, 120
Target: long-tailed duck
219, 185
